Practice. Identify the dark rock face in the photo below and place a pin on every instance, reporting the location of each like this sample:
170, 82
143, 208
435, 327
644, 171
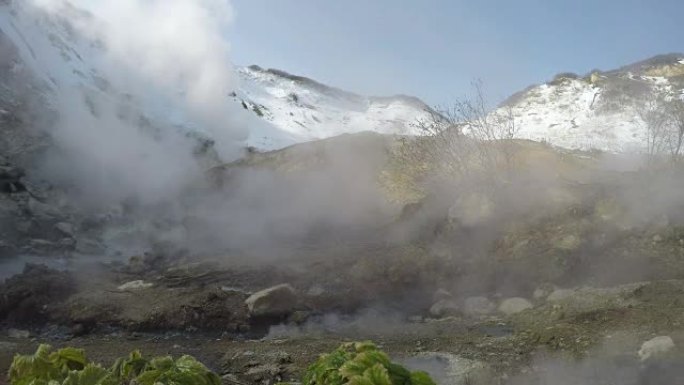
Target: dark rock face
27, 298
10, 179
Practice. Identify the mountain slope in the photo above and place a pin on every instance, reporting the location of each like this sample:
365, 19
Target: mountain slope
310, 110
600, 110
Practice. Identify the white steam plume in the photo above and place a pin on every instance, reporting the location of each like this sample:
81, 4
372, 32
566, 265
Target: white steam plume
166, 48
171, 58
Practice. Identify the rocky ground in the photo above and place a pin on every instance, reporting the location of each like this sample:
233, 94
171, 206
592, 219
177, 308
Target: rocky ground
260, 325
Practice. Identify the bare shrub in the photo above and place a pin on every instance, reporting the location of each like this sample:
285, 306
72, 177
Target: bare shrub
467, 142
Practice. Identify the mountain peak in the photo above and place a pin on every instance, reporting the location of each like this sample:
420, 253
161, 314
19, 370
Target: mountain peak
306, 109
653, 64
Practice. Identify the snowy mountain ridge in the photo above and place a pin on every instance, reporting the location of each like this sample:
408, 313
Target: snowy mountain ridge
309, 110
598, 111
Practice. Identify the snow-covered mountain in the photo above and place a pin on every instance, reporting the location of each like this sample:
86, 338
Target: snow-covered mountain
309, 110
600, 110
279, 109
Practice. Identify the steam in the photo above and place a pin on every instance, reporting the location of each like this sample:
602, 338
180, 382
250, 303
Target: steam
164, 58
177, 48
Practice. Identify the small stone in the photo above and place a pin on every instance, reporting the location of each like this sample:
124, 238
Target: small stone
657, 238
135, 285
655, 346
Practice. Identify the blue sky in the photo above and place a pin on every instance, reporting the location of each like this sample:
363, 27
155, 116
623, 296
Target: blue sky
434, 49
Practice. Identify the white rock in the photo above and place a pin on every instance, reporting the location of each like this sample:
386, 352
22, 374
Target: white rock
655, 346
514, 305
135, 285
275, 301
478, 306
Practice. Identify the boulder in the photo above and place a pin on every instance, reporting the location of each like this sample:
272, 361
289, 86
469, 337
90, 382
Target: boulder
655, 346
445, 308
278, 300
514, 305
478, 306
560, 295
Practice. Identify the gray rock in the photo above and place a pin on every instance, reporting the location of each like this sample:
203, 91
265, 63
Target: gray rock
275, 301
560, 295
655, 346
478, 306
514, 305
445, 308
65, 228
18, 334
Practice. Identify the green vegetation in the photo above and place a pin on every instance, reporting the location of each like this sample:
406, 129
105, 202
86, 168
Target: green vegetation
358, 363
69, 366
361, 363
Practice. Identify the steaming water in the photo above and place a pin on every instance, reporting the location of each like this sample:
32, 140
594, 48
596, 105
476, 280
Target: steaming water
436, 366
